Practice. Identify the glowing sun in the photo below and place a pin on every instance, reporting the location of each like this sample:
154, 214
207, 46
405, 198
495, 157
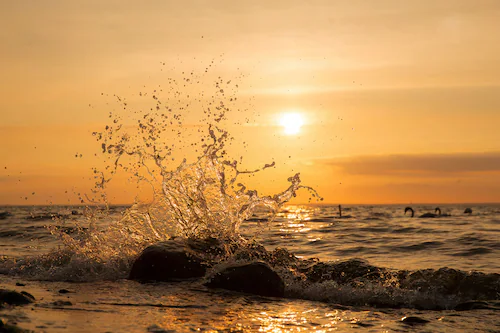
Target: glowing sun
291, 122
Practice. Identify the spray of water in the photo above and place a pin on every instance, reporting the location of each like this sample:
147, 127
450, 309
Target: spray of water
204, 197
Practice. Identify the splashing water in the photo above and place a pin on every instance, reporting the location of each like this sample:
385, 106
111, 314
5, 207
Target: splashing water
199, 199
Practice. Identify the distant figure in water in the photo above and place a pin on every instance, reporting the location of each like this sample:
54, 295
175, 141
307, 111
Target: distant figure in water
340, 214
436, 214
438, 210
468, 211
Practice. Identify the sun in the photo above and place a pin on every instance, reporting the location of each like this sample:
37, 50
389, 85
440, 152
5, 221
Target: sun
291, 122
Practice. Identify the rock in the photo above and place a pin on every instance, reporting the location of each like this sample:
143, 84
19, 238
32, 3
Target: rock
61, 303
448, 281
64, 291
169, 261
343, 271
254, 278
12, 297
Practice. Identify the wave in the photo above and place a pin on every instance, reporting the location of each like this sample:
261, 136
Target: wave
349, 282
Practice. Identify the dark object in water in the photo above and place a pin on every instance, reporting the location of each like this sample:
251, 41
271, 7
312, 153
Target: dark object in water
343, 271
254, 278
4, 215
12, 297
343, 216
437, 213
411, 210
61, 303
64, 291
412, 320
468, 211
167, 261
448, 281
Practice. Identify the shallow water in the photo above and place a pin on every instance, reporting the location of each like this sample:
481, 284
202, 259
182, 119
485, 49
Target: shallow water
381, 235
126, 306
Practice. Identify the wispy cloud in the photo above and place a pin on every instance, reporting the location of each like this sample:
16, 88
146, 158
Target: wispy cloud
417, 165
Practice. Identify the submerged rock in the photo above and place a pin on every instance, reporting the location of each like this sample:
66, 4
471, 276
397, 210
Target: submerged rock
343, 271
167, 261
448, 281
255, 278
13, 297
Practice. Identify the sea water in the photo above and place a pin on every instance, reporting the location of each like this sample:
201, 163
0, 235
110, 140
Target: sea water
75, 259
380, 234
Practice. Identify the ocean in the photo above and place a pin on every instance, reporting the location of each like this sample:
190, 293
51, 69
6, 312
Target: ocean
99, 297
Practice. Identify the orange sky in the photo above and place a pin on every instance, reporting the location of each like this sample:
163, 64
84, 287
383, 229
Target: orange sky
400, 100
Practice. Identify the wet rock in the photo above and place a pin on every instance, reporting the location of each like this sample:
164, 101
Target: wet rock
12, 297
169, 261
254, 278
448, 281
252, 251
343, 272
413, 320
64, 291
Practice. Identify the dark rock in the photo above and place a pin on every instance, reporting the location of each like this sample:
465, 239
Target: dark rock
169, 261
19, 284
343, 272
448, 281
64, 291
61, 303
12, 297
412, 320
254, 278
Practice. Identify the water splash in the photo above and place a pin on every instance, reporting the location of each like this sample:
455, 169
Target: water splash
204, 197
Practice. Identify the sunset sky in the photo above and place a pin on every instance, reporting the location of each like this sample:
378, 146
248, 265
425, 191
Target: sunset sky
399, 100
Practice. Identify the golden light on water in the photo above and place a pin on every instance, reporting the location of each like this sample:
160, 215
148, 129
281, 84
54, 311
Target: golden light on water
291, 122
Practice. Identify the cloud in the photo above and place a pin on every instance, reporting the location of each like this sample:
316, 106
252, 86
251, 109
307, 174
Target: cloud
418, 165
